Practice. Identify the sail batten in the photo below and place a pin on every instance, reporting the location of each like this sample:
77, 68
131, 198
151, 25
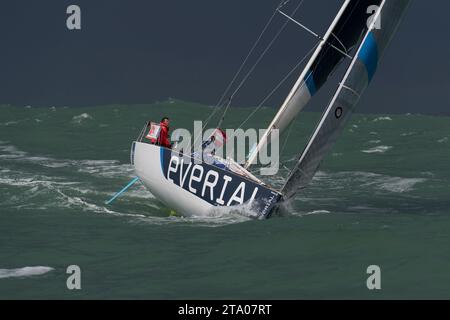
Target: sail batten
356, 80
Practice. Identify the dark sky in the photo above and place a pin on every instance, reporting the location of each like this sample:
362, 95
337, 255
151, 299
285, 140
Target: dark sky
138, 51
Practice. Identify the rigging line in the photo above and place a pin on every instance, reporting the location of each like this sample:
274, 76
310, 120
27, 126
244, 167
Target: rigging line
340, 42
258, 39
316, 35
260, 105
269, 46
283, 3
288, 135
223, 115
255, 44
286, 139
260, 58
247, 57
344, 23
216, 109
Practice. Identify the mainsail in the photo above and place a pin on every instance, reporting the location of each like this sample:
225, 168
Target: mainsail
343, 34
341, 107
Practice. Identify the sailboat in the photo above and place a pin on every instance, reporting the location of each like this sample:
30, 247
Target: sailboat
195, 188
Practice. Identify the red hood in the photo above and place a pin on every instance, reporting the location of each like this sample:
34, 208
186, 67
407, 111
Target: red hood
162, 124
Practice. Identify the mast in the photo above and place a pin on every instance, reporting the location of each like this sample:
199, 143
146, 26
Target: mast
288, 111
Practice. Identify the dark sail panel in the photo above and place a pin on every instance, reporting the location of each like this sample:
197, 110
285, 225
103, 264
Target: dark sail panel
346, 35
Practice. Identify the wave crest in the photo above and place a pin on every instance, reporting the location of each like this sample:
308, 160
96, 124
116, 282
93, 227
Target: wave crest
24, 272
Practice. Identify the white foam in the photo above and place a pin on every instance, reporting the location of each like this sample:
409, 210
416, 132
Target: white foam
428, 174
378, 149
241, 212
72, 201
24, 272
81, 117
362, 181
443, 140
11, 152
400, 185
82, 196
8, 123
100, 168
311, 213
105, 168
140, 192
382, 119
387, 183
217, 217
33, 182
61, 194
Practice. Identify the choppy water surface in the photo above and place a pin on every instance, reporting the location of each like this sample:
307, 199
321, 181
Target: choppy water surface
381, 197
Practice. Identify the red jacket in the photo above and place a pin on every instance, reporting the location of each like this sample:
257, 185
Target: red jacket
163, 139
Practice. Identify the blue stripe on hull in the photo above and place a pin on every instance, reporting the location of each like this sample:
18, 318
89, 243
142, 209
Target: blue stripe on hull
161, 159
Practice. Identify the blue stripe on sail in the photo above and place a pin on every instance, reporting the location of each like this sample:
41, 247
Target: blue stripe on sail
369, 55
310, 83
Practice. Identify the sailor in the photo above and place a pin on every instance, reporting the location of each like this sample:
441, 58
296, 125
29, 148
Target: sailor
207, 147
217, 139
159, 133
163, 139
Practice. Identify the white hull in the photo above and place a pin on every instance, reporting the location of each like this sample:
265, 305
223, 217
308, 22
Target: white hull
196, 189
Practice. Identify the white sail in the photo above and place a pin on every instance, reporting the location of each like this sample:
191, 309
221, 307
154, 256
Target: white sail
341, 107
